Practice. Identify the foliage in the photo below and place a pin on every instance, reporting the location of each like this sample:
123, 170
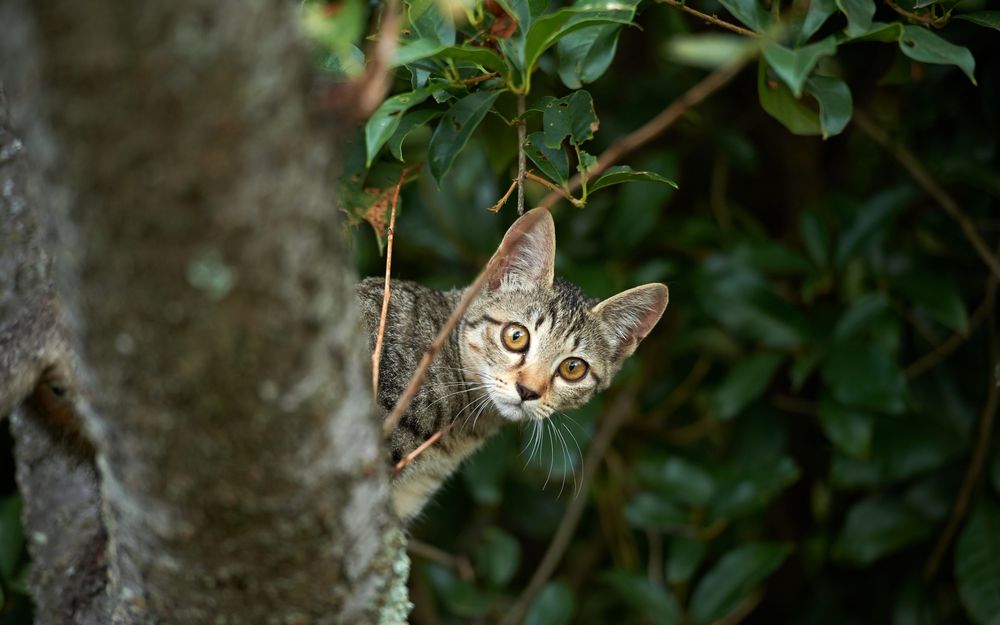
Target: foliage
794, 456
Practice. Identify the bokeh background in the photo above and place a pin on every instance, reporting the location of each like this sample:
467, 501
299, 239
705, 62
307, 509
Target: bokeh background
790, 442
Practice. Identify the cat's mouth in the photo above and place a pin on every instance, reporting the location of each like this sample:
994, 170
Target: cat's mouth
512, 411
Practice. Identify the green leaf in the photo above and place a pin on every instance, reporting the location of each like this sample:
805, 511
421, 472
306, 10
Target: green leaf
995, 466
794, 66
651, 599
708, 50
937, 294
483, 472
977, 564
849, 429
459, 596
572, 116
859, 15
547, 30
745, 383
429, 49
584, 55
11, 537
922, 45
777, 100
819, 11
989, 19
678, 479
386, 119
623, 173
429, 22
859, 315
497, 556
742, 301
735, 576
455, 129
835, 103
684, 557
749, 12
554, 606
861, 375
646, 510
872, 218
410, 122
552, 162
876, 527
744, 489
815, 238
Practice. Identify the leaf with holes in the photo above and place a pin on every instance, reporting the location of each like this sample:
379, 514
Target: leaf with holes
794, 66
551, 162
455, 129
386, 119
572, 116
922, 45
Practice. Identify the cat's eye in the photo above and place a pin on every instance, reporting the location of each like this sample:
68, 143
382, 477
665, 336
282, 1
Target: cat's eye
515, 337
573, 369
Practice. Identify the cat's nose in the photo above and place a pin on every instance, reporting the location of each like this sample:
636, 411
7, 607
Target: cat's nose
526, 393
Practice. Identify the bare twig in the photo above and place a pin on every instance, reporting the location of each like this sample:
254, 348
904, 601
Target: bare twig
927, 18
617, 414
653, 128
374, 84
923, 178
521, 163
503, 200
449, 325
459, 564
424, 446
711, 19
377, 353
979, 453
554, 188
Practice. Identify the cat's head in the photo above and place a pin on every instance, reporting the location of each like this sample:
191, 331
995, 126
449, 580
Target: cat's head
539, 344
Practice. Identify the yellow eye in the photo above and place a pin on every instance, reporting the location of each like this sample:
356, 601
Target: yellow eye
515, 337
573, 369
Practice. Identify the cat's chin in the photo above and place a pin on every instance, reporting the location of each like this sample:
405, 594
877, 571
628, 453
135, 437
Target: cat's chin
511, 412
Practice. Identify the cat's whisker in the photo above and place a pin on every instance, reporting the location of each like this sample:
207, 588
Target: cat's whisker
471, 406
440, 399
562, 441
552, 453
579, 462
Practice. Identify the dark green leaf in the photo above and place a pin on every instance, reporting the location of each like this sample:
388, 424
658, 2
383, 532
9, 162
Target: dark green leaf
995, 471
777, 100
746, 382
497, 556
794, 66
652, 511
749, 12
922, 45
849, 429
989, 19
652, 600
733, 578
410, 122
879, 31
683, 559
861, 375
387, 117
859, 315
483, 472
623, 173
876, 527
455, 129
977, 563
869, 222
553, 163
744, 489
429, 49
461, 597
584, 55
937, 294
678, 479
835, 103
554, 606
859, 15
11, 537
572, 116
815, 238
819, 11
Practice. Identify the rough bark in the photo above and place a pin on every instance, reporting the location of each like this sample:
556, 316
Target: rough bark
225, 387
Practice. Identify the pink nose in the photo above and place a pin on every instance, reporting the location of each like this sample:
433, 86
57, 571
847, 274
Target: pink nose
526, 393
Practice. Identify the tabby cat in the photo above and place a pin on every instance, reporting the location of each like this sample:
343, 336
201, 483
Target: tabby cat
528, 345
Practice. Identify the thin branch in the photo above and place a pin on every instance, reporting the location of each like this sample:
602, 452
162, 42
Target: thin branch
654, 127
711, 19
932, 358
923, 178
424, 446
460, 564
554, 188
978, 461
377, 353
506, 196
449, 325
927, 18
375, 83
617, 415
521, 162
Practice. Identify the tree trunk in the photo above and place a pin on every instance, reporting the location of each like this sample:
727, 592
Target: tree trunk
225, 381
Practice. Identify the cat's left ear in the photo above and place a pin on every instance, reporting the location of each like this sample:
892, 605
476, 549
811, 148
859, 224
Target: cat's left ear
632, 314
527, 254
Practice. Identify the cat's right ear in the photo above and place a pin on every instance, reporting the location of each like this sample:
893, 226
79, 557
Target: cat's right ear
527, 254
